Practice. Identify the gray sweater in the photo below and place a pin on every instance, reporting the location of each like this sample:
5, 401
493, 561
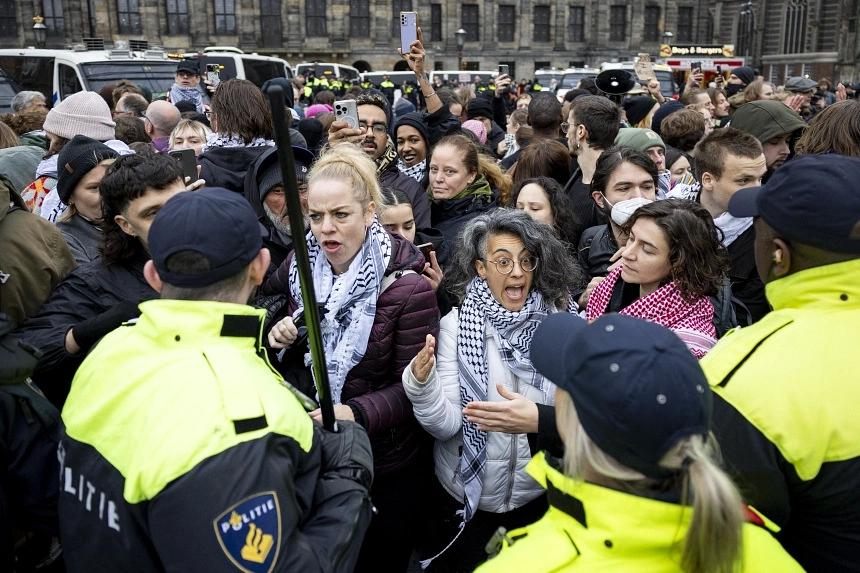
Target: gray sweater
83, 237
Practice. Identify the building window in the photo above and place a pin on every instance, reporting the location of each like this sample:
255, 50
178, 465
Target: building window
177, 17
470, 23
270, 23
435, 22
541, 24
128, 16
8, 22
652, 24
506, 23
796, 17
53, 13
225, 17
617, 23
315, 17
709, 29
359, 18
576, 24
685, 24
398, 6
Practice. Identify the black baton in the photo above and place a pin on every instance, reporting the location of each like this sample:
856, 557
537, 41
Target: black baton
300, 250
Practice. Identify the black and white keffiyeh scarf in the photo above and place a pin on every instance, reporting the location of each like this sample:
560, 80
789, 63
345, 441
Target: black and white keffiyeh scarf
179, 93
513, 333
416, 172
233, 140
350, 300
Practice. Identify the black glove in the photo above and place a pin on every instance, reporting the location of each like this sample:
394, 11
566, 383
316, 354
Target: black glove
17, 359
347, 453
88, 332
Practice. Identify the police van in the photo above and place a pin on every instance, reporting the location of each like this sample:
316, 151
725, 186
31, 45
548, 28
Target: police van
234, 63
461, 76
8, 89
668, 87
60, 73
397, 78
340, 71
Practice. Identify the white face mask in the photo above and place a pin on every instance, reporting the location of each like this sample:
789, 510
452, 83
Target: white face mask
622, 210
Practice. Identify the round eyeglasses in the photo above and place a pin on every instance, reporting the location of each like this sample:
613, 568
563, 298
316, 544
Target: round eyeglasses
505, 265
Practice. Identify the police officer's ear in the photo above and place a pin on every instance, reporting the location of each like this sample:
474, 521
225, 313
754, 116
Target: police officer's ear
258, 267
781, 260
152, 277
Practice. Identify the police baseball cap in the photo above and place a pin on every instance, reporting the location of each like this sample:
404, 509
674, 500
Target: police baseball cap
218, 224
812, 199
636, 387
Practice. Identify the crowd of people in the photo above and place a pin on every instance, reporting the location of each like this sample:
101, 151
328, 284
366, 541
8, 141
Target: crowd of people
559, 335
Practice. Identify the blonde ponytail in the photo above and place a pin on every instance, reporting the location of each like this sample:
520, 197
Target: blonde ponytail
714, 539
497, 178
713, 543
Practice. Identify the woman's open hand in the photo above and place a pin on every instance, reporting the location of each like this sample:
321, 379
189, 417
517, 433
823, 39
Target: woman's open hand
516, 415
423, 362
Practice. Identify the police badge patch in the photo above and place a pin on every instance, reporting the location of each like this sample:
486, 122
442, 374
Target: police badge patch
249, 532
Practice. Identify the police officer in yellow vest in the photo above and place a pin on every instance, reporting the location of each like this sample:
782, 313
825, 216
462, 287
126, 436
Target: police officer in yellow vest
638, 489
787, 407
183, 450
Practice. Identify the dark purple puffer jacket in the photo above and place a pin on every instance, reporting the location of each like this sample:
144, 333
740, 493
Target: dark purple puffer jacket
406, 312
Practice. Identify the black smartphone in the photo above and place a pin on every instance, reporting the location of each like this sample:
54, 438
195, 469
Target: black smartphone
696, 66
719, 70
504, 70
187, 161
426, 249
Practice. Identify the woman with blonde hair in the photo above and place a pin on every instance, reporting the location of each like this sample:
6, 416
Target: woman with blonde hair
378, 311
189, 134
639, 487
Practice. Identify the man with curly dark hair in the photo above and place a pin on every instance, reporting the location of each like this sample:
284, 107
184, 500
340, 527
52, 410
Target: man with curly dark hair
99, 296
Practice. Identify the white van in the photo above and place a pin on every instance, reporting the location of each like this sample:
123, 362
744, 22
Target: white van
340, 71
60, 73
397, 78
237, 64
466, 75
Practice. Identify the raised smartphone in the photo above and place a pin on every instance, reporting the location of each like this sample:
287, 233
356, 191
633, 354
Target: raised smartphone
187, 162
346, 110
408, 30
213, 74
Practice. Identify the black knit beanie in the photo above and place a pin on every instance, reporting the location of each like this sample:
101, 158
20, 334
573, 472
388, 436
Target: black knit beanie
416, 120
76, 159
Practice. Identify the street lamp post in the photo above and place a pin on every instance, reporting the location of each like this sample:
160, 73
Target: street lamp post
461, 42
40, 31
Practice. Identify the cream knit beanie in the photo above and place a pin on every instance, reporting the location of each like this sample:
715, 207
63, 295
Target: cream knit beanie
82, 113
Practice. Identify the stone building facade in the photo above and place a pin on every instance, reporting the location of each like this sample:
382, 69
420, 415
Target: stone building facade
780, 37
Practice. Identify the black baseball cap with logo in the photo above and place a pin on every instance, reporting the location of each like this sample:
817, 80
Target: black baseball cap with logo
218, 224
635, 385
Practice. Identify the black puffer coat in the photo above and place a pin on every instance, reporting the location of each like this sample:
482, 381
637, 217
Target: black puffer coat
406, 313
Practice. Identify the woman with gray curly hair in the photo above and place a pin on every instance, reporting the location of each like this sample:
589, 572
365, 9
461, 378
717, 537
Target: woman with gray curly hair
484, 402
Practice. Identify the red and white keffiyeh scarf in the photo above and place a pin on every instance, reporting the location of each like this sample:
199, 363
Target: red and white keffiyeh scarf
693, 323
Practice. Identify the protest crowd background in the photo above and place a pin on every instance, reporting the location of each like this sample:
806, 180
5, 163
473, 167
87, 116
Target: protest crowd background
613, 331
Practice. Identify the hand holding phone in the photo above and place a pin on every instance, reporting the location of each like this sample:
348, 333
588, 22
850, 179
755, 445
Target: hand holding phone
346, 110
213, 74
187, 161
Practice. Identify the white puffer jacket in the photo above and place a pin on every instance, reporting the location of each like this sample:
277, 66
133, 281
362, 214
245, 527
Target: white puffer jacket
436, 404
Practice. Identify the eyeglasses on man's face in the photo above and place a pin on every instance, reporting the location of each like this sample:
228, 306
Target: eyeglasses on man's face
378, 127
